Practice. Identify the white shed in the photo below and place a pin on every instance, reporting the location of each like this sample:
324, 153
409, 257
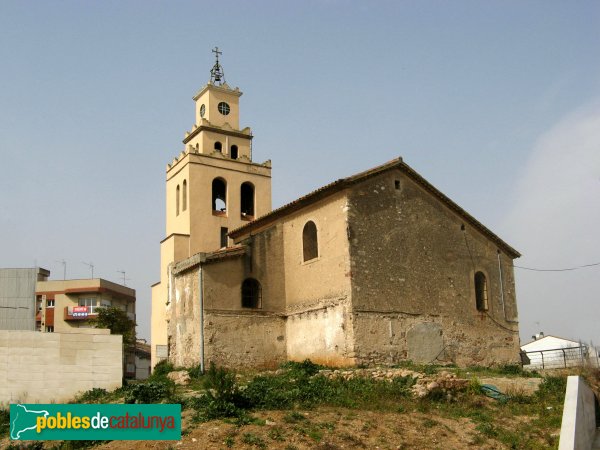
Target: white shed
552, 352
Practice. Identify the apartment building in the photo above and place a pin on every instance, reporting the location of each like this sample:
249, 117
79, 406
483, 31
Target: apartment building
62, 305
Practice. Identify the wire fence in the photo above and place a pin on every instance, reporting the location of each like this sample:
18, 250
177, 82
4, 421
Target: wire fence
560, 358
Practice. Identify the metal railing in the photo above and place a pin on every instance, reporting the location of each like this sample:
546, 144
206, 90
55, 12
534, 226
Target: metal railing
560, 358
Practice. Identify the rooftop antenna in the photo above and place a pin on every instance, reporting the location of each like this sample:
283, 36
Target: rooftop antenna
64, 264
217, 75
91, 266
122, 272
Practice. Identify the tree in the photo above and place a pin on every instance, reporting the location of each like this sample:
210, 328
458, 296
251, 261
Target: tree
116, 320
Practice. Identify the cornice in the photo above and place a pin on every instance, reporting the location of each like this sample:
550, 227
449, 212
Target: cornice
234, 133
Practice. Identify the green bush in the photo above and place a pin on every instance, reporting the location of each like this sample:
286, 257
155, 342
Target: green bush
93, 395
296, 388
195, 372
552, 387
222, 397
299, 386
151, 391
162, 369
304, 368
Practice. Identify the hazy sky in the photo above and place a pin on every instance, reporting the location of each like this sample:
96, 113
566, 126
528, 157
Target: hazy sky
496, 103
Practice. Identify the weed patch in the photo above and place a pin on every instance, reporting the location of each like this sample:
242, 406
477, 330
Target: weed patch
151, 392
254, 440
4, 422
93, 395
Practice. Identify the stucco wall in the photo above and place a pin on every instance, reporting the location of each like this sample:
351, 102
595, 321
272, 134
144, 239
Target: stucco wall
53, 367
413, 263
326, 277
322, 334
204, 226
244, 339
233, 336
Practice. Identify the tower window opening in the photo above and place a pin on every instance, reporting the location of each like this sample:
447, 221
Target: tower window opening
218, 147
219, 195
224, 232
177, 200
251, 293
310, 245
481, 292
234, 152
247, 199
397, 184
184, 196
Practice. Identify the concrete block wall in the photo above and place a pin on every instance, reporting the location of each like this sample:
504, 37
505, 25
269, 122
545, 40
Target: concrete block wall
54, 367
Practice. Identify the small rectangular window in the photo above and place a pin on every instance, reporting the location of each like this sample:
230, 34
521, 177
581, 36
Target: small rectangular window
397, 184
224, 232
162, 351
50, 303
50, 329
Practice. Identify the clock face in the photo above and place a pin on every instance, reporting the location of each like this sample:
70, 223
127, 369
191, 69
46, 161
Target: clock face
223, 108
202, 110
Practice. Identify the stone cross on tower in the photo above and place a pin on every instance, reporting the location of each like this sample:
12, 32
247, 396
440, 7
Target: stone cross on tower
217, 75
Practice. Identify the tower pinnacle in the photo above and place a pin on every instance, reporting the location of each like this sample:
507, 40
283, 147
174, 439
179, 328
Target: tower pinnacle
217, 75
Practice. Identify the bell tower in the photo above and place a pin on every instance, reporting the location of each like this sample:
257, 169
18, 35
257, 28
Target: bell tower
212, 187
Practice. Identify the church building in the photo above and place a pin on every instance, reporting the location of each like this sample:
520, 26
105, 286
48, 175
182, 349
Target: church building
376, 268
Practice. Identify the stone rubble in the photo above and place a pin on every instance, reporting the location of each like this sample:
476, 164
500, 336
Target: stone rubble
179, 377
444, 382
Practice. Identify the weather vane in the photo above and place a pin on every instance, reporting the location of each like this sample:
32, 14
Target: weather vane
217, 75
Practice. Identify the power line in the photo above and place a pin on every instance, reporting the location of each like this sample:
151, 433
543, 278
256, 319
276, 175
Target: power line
558, 270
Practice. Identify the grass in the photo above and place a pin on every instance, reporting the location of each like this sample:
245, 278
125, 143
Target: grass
254, 440
523, 422
4, 422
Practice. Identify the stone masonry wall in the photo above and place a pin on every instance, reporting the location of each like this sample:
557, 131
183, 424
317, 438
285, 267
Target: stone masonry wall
53, 367
413, 265
233, 336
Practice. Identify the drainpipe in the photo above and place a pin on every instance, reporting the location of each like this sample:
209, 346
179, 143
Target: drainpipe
501, 286
201, 296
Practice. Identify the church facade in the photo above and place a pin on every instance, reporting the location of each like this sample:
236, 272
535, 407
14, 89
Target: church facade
376, 268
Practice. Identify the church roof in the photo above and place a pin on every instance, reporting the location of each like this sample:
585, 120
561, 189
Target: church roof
343, 183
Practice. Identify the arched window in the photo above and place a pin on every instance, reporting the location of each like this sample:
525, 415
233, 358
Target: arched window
481, 292
219, 195
251, 293
218, 146
310, 244
234, 152
184, 196
247, 199
177, 200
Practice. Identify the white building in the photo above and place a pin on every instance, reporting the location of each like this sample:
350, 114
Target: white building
552, 352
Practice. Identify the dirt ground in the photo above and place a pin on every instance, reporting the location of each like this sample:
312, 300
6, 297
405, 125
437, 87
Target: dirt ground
330, 428
325, 428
